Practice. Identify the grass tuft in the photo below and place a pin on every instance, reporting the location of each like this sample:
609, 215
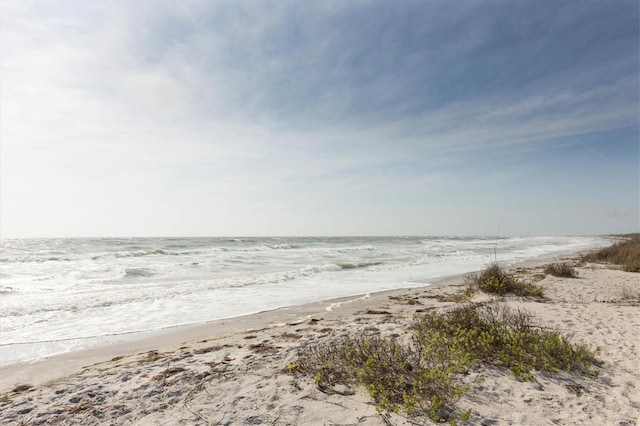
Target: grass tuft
494, 280
629, 295
561, 270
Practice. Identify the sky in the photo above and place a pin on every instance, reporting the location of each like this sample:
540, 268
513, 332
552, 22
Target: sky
283, 118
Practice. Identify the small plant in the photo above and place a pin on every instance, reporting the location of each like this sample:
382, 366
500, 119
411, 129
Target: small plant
625, 253
292, 368
494, 280
561, 270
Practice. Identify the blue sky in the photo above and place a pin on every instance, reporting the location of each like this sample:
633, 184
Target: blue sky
319, 118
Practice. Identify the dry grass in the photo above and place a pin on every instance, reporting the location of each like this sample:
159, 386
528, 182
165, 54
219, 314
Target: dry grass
561, 270
207, 349
625, 253
169, 371
629, 295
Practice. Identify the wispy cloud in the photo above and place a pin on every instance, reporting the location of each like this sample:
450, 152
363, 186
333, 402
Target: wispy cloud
224, 102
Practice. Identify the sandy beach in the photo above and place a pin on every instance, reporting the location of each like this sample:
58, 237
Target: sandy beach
331, 213
234, 371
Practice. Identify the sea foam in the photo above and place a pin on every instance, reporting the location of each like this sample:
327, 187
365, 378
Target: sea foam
64, 294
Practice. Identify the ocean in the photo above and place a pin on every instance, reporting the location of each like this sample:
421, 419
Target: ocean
59, 295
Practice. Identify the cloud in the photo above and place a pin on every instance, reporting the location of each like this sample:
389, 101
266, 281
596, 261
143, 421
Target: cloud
403, 72
260, 103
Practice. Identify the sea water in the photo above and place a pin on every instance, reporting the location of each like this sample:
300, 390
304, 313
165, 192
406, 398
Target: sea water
64, 294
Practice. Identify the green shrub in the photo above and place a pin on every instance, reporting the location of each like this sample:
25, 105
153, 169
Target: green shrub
494, 280
493, 334
398, 377
422, 377
561, 270
625, 253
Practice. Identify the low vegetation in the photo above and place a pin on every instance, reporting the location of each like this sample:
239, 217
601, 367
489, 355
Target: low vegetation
561, 270
423, 375
625, 253
494, 280
494, 334
629, 295
399, 377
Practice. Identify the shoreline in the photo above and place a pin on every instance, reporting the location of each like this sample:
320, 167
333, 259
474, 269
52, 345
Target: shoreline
233, 371
51, 367
82, 344
61, 325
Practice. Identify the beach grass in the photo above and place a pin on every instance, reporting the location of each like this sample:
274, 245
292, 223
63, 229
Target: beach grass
629, 295
625, 253
494, 280
561, 270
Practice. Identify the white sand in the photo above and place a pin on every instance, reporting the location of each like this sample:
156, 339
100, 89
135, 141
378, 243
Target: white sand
228, 374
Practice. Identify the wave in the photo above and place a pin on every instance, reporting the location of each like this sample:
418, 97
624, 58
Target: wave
151, 292
138, 272
357, 265
143, 253
7, 290
36, 259
152, 252
281, 247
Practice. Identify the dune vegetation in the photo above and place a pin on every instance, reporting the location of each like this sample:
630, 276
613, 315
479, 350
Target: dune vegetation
625, 253
423, 375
